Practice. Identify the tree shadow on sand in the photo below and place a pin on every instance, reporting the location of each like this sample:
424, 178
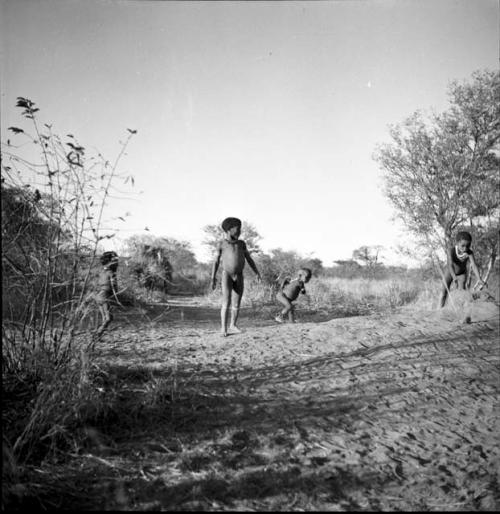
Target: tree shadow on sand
269, 488
185, 438
337, 387
179, 314
204, 494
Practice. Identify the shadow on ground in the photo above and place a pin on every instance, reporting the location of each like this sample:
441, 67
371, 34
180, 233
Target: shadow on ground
176, 314
318, 431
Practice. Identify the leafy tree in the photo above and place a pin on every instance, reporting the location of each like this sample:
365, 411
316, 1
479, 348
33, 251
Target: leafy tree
285, 263
152, 267
158, 262
314, 264
368, 255
441, 171
348, 263
24, 229
267, 269
178, 253
344, 268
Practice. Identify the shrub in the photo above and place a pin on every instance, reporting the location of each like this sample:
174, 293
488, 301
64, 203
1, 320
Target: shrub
52, 211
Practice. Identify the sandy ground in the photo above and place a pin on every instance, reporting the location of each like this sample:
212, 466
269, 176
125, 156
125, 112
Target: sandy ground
380, 412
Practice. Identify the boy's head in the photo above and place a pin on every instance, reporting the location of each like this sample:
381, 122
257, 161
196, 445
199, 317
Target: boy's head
232, 227
109, 260
305, 274
463, 240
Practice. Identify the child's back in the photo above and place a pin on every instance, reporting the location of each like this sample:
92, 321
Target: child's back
289, 292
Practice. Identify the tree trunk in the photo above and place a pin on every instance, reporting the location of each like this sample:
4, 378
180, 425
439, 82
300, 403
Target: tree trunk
491, 262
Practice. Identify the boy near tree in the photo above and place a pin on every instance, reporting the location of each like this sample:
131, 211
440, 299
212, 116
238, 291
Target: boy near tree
458, 257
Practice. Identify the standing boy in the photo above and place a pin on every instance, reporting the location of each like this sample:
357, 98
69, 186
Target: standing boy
289, 292
458, 256
107, 288
232, 252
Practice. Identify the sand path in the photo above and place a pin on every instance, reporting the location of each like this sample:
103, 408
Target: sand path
381, 412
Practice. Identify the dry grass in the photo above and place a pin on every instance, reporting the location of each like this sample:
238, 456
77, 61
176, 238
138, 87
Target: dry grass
344, 297
363, 295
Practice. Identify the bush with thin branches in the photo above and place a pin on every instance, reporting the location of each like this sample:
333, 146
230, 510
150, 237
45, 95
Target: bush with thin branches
54, 196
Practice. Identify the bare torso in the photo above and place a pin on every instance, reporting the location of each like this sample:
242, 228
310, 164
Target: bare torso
459, 264
292, 289
106, 283
233, 257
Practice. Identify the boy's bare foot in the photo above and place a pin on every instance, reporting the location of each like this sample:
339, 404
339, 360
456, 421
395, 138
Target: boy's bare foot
235, 329
279, 319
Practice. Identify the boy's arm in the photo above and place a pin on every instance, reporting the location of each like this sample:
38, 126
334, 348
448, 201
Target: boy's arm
216, 266
450, 264
251, 262
284, 282
113, 283
114, 287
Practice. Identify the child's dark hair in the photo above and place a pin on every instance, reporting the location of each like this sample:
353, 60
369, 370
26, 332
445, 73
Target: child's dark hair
463, 236
229, 223
108, 257
308, 271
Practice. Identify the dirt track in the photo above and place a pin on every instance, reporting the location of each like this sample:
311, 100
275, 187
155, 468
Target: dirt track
380, 412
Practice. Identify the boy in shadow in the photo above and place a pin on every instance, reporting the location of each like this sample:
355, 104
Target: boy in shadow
107, 287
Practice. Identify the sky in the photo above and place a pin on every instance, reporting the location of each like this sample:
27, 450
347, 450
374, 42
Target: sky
267, 111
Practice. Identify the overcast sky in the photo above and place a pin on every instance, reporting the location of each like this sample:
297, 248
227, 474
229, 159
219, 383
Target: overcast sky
268, 111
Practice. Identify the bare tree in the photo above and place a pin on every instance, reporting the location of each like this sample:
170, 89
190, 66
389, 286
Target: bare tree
368, 256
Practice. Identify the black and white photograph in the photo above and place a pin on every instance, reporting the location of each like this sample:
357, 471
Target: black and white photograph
250, 255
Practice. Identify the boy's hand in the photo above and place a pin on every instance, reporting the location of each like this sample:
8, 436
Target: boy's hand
259, 278
214, 283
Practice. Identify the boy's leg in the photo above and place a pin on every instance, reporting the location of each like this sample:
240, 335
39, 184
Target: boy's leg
446, 287
291, 314
285, 302
237, 293
226, 285
106, 317
461, 281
